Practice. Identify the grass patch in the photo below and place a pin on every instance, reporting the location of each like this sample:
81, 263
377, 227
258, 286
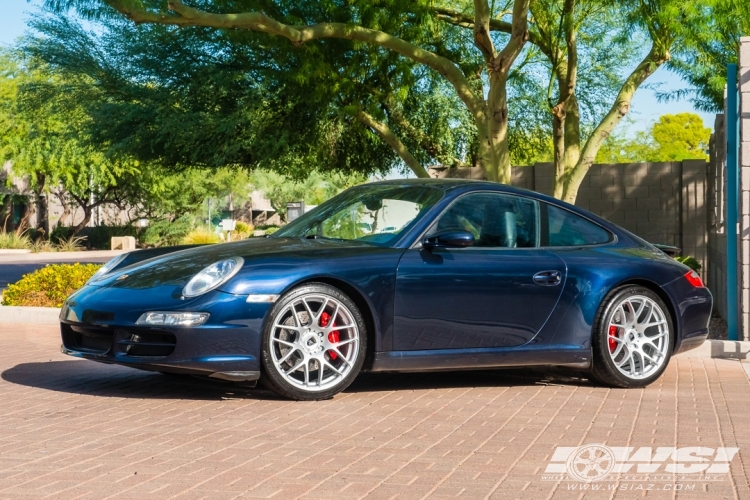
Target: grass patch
13, 241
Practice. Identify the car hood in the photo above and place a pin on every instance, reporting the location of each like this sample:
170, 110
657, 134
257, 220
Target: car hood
176, 269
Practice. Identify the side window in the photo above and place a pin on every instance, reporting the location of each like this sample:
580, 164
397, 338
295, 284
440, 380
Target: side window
569, 229
495, 220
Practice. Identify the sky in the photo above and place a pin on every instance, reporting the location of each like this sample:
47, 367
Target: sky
645, 109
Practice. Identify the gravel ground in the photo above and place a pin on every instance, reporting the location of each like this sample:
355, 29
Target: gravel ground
717, 329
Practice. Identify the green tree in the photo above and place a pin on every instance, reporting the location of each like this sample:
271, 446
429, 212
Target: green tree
43, 143
393, 32
313, 190
583, 61
673, 138
211, 98
595, 41
701, 60
681, 137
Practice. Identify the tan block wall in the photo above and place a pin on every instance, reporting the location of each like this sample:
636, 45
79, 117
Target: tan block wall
660, 202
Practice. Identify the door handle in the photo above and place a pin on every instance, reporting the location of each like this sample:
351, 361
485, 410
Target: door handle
547, 278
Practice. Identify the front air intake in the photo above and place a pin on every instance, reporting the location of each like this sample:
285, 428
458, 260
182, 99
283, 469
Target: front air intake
146, 344
87, 339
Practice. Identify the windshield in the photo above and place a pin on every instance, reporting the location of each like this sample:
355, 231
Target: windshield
371, 213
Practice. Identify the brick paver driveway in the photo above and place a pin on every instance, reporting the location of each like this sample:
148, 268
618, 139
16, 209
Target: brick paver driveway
77, 429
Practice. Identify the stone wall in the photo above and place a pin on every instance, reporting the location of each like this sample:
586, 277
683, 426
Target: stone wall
744, 161
660, 202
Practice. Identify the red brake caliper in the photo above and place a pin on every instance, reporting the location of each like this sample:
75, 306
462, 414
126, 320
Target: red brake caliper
612, 336
333, 337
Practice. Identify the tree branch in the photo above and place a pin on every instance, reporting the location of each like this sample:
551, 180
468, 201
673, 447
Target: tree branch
462, 20
432, 148
389, 137
482, 39
653, 60
182, 15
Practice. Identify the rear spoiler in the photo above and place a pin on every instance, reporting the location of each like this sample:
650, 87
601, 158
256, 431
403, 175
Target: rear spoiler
668, 249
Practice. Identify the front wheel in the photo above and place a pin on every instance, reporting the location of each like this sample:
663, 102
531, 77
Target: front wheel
632, 340
313, 343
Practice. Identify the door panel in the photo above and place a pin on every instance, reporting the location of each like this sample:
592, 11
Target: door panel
474, 297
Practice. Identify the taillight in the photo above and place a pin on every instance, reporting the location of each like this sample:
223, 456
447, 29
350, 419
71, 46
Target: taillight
694, 279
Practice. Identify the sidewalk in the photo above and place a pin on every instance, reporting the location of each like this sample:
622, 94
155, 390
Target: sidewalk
72, 428
83, 256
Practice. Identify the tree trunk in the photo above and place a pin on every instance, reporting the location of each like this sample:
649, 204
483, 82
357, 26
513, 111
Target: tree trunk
66, 209
493, 148
558, 144
572, 132
492, 120
23, 224
566, 135
87, 211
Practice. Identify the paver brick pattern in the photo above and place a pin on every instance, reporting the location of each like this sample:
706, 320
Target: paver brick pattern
73, 429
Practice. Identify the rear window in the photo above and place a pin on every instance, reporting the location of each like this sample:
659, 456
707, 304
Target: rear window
567, 229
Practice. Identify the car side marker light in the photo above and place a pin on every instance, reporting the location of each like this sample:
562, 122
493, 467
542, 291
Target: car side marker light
259, 299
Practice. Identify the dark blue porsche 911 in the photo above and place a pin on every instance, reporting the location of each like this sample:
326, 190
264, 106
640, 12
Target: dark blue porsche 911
398, 276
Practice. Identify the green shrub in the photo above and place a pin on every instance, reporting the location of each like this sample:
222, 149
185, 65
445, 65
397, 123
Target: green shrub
689, 261
200, 236
13, 241
60, 233
72, 244
167, 232
272, 229
242, 230
42, 245
48, 286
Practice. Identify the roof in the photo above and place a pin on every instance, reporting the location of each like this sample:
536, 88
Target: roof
450, 184
439, 183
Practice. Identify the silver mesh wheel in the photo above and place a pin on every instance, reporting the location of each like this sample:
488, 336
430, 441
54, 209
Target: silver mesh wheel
314, 342
638, 337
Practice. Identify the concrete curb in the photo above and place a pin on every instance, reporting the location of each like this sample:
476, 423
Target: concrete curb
720, 349
13, 315
23, 256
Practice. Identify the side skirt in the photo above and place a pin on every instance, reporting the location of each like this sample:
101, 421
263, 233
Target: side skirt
457, 359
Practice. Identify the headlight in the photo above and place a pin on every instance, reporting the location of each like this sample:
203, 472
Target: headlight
212, 276
106, 268
172, 319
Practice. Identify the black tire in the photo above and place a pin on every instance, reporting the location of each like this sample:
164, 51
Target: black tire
274, 380
604, 370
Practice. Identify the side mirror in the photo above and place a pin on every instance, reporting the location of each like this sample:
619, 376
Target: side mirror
447, 239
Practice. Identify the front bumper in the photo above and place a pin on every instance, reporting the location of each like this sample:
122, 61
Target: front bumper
96, 326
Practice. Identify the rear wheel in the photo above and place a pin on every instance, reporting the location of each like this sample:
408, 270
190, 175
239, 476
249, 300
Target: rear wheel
632, 339
313, 344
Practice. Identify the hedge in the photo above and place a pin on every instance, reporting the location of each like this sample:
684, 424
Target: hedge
48, 286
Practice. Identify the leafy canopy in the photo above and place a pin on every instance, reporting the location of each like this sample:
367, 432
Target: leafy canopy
672, 138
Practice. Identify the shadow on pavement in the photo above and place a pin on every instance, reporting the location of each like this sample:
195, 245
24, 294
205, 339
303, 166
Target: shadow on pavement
80, 377
95, 379
375, 382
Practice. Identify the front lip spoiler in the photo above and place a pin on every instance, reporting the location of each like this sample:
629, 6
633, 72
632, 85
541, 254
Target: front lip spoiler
229, 376
247, 376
